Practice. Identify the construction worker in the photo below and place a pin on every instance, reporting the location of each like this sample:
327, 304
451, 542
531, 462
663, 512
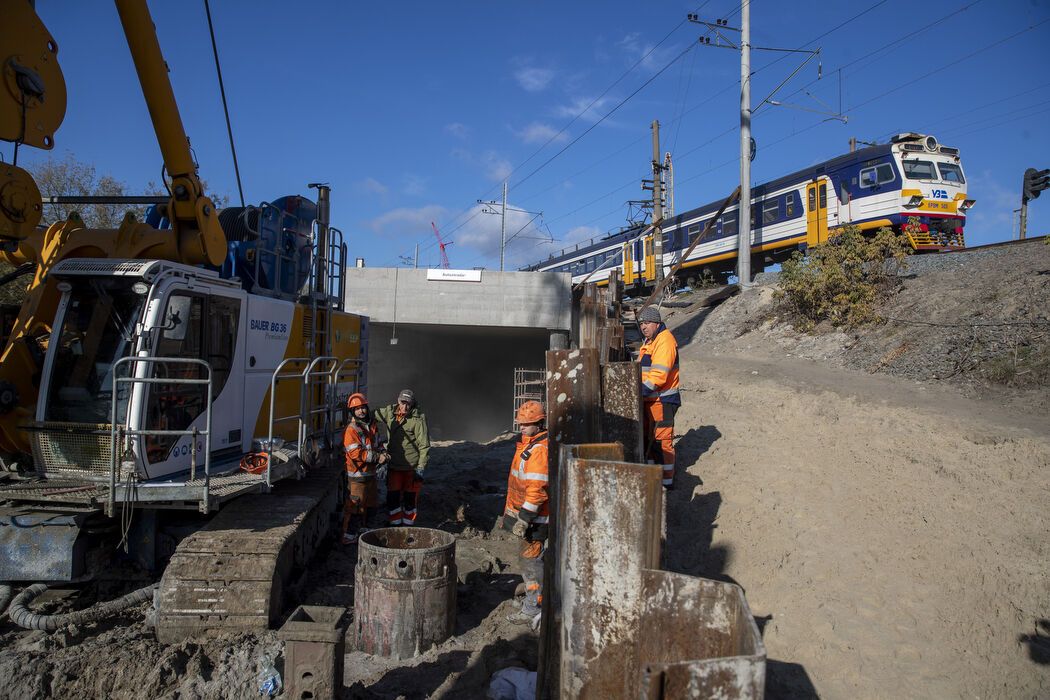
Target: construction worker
365, 452
408, 441
660, 398
526, 513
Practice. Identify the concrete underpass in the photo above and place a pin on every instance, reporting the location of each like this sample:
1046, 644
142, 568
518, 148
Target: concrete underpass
459, 336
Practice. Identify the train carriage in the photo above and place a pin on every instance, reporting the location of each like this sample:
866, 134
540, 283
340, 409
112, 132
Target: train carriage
912, 177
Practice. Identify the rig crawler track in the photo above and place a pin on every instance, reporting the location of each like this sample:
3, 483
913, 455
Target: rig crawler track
232, 575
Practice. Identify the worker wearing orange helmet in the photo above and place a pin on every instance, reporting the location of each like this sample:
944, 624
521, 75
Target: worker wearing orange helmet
526, 513
365, 452
660, 397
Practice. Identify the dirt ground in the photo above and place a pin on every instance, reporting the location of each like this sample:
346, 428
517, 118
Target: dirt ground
890, 529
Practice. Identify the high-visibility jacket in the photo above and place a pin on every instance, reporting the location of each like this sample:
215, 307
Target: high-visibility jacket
527, 485
362, 445
659, 360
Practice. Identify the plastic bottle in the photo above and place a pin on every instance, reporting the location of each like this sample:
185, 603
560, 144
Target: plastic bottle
269, 678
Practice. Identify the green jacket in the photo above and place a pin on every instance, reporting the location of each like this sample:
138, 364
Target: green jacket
409, 442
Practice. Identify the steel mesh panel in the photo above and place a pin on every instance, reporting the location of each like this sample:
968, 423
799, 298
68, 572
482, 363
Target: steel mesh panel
72, 450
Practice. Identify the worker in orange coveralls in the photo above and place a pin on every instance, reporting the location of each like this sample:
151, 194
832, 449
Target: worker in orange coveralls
660, 397
364, 453
526, 512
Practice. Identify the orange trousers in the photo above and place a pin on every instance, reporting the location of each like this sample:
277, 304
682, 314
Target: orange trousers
402, 494
659, 436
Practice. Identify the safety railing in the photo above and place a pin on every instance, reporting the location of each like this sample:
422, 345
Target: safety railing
119, 431
315, 379
330, 378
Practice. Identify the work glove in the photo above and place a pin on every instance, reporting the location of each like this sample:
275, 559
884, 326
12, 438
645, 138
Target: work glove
519, 528
419, 476
381, 472
384, 457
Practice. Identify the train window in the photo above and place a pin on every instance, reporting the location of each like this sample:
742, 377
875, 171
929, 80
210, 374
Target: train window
729, 225
919, 170
694, 231
812, 200
950, 172
789, 206
590, 264
823, 195
770, 212
668, 241
879, 175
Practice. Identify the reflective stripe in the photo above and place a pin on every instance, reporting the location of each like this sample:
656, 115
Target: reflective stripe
649, 385
665, 368
541, 520
669, 392
353, 446
536, 477
530, 507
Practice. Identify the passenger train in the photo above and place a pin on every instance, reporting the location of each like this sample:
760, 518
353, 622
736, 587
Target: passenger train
913, 176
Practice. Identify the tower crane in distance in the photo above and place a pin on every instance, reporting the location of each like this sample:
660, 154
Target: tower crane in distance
441, 245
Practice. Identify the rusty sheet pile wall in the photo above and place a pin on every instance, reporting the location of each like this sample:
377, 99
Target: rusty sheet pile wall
614, 624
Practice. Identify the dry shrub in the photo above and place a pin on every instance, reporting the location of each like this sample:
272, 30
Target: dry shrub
843, 280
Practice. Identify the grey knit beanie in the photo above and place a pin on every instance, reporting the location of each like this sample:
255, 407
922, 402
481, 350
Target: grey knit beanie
650, 314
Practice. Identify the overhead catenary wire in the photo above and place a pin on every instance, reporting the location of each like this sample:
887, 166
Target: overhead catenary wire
588, 107
225, 107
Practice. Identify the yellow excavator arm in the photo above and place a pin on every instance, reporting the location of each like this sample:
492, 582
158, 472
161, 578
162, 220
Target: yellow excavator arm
32, 105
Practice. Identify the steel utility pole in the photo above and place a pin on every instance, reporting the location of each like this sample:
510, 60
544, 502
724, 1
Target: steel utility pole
719, 29
744, 210
503, 227
658, 204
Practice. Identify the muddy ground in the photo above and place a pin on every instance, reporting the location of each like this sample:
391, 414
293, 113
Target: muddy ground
880, 494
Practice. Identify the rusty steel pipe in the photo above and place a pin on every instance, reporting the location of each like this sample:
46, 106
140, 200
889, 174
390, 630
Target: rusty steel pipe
405, 591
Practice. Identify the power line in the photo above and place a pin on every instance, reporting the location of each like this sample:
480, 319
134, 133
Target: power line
586, 109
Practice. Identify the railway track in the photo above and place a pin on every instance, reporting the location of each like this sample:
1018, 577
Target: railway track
1035, 239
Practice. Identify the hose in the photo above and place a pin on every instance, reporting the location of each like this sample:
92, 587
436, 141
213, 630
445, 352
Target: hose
22, 616
5, 597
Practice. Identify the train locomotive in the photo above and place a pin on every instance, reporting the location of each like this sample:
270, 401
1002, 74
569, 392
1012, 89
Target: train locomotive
911, 179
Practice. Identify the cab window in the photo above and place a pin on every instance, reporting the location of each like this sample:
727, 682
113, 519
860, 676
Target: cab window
919, 170
950, 172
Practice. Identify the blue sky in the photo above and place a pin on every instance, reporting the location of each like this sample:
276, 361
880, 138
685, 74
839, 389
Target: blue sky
413, 111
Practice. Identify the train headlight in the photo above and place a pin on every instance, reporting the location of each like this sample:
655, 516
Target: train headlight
916, 200
967, 204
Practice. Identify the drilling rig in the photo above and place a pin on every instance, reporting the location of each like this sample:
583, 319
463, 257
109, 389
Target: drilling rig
192, 367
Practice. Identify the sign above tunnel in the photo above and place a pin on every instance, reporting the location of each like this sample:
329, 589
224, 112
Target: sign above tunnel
440, 275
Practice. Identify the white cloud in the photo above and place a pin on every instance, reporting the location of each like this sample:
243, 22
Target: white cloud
457, 129
538, 132
407, 221
497, 168
492, 164
634, 49
534, 79
414, 185
372, 186
478, 239
593, 112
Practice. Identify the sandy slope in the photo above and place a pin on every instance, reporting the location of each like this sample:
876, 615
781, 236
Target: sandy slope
892, 543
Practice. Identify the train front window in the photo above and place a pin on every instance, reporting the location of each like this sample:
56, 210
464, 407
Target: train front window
97, 329
919, 170
950, 172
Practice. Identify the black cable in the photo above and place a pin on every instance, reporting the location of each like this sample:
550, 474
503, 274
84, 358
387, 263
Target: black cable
225, 108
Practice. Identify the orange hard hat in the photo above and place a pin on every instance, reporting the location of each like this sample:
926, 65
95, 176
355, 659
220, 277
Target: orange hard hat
356, 400
530, 412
